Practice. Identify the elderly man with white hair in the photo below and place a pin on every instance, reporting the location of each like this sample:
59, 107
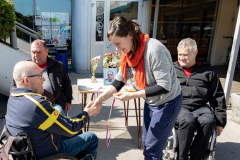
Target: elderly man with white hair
200, 85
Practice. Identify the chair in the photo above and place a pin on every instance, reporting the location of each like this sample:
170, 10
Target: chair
172, 144
21, 148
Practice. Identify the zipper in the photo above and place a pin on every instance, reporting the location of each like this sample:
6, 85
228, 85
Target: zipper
187, 82
190, 95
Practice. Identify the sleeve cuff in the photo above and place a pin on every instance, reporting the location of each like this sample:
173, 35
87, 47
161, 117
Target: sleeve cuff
85, 114
117, 84
155, 90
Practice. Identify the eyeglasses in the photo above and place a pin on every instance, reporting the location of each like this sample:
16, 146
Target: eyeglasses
109, 74
41, 75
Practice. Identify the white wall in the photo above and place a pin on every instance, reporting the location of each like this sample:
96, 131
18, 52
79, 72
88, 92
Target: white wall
8, 58
226, 11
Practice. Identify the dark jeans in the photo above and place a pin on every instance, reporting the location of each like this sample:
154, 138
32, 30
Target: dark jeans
158, 122
86, 142
201, 120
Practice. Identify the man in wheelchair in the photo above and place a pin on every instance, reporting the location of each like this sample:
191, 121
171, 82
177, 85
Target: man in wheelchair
50, 132
200, 85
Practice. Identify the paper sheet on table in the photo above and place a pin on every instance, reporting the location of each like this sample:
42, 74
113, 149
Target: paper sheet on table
87, 85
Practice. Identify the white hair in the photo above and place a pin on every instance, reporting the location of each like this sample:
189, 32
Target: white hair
188, 42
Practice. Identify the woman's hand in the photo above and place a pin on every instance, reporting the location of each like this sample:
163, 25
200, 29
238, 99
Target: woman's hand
125, 96
93, 108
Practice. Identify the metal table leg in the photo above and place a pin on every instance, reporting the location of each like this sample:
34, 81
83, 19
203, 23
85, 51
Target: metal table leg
126, 113
138, 119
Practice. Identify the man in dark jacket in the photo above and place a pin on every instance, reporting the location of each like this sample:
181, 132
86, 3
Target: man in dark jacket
56, 81
30, 112
200, 85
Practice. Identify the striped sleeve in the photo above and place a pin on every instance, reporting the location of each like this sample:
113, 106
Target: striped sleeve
50, 120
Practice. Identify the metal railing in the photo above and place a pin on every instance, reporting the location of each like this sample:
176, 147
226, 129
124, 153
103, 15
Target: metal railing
24, 29
28, 31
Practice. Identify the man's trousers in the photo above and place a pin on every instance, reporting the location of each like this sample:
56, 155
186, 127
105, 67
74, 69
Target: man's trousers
189, 121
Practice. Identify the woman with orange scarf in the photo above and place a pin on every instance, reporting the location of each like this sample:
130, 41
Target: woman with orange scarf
147, 64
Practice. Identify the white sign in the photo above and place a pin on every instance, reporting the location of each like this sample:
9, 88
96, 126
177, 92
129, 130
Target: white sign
55, 18
38, 20
64, 18
46, 31
55, 34
46, 18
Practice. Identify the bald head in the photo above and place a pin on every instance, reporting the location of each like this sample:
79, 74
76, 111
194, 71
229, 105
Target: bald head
28, 75
22, 69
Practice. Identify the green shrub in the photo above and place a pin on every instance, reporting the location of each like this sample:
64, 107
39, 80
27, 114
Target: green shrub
7, 18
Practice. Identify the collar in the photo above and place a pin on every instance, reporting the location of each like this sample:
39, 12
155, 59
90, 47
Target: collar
50, 62
43, 66
23, 91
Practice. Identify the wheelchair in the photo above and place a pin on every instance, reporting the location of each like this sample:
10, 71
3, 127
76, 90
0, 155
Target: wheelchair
21, 148
172, 144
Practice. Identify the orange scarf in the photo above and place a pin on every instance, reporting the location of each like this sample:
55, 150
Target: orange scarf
136, 61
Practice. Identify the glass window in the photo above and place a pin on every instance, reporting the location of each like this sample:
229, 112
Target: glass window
127, 9
179, 19
23, 11
52, 19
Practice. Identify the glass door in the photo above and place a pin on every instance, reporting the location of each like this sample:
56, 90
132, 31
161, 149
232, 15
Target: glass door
103, 12
98, 31
128, 9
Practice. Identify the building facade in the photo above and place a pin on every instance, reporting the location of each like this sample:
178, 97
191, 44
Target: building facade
81, 25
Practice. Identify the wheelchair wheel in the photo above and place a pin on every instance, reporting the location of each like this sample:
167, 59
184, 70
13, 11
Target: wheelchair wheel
59, 156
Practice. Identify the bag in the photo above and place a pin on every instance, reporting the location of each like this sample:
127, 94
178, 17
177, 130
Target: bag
49, 96
15, 144
4, 150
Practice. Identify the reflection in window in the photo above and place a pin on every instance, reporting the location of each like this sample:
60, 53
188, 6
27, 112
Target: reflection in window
179, 19
54, 24
23, 11
128, 9
99, 21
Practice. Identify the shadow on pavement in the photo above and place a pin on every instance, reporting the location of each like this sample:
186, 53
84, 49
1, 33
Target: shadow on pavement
120, 144
227, 151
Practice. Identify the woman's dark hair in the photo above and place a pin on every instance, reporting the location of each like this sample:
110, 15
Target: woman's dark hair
121, 27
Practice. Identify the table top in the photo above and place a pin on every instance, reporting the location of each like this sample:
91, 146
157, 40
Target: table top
86, 86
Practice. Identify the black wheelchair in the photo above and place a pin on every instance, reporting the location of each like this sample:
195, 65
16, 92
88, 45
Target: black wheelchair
21, 148
172, 144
